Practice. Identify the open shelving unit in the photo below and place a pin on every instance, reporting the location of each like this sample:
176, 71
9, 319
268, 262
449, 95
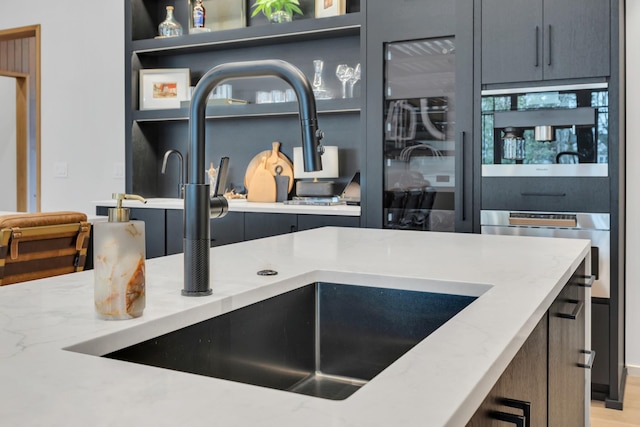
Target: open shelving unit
251, 127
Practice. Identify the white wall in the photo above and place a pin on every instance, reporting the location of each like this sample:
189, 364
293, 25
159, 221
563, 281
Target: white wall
82, 118
633, 195
8, 191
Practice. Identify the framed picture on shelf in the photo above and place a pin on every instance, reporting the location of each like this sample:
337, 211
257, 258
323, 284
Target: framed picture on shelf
325, 8
163, 88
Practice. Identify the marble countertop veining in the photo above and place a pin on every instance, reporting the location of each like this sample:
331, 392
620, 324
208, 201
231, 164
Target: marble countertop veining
239, 205
440, 382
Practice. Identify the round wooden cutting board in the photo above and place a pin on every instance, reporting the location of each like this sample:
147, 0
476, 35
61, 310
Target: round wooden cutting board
274, 158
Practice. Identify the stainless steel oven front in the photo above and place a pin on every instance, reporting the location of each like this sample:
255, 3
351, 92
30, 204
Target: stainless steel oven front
593, 226
546, 131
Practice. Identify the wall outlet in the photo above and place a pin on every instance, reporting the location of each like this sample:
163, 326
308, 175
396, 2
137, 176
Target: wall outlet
60, 170
118, 170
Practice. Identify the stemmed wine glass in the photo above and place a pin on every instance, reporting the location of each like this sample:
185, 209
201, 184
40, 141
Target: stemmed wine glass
344, 73
354, 79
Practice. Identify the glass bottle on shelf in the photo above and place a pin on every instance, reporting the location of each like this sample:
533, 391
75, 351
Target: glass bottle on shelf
170, 27
319, 90
198, 14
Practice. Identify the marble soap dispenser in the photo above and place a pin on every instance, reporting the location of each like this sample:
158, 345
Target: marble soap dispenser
118, 263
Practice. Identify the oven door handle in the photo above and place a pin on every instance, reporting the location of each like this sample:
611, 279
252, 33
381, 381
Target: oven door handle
543, 194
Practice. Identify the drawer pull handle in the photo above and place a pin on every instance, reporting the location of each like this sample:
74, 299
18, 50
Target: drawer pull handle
576, 311
588, 281
524, 406
592, 356
524, 420
517, 420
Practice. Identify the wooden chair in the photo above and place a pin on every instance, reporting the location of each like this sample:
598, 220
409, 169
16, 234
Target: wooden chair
37, 245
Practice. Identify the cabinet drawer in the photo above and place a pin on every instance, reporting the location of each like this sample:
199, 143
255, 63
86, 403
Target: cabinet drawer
557, 194
228, 229
258, 225
174, 230
306, 222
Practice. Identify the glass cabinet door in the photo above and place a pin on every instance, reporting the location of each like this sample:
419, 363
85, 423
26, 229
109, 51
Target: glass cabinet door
419, 135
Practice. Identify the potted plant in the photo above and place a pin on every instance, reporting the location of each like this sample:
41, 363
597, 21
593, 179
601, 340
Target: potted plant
277, 10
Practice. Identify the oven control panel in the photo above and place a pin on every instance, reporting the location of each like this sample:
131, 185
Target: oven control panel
543, 219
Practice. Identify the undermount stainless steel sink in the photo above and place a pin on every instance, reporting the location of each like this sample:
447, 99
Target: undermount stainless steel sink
325, 340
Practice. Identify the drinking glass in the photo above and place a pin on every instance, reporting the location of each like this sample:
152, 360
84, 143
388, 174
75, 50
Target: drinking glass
277, 96
263, 97
354, 79
344, 73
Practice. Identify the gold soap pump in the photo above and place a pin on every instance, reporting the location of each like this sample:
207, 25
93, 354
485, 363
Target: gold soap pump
120, 214
119, 262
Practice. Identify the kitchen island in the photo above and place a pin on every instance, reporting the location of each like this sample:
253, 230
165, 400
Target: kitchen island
50, 338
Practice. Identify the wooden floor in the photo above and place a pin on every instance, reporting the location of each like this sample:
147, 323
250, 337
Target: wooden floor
629, 416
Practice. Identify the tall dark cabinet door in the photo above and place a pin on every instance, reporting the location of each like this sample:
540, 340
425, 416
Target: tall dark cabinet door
511, 40
577, 38
420, 134
419, 118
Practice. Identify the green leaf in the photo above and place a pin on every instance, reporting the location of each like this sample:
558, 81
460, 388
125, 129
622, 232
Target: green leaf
293, 8
267, 7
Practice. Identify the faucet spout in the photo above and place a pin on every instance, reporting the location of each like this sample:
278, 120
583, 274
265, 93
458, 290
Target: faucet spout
167, 154
197, 200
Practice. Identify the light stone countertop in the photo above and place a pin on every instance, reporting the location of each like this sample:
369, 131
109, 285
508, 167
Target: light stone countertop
440, 382
239, 205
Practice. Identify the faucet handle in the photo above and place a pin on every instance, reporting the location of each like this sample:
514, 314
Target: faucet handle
218, 205
221, 179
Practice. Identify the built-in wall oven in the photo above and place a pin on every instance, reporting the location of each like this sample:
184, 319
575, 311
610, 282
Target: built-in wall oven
593, 226
552, 131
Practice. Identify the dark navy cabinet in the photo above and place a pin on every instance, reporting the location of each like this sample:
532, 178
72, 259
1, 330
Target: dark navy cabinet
410, 47
528, 40
258, 225
154, 224
164, 228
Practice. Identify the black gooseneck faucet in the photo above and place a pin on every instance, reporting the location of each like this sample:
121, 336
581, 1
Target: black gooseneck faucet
199, 207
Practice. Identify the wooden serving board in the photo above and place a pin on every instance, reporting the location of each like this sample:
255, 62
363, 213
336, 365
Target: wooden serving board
263, 184
274, 158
